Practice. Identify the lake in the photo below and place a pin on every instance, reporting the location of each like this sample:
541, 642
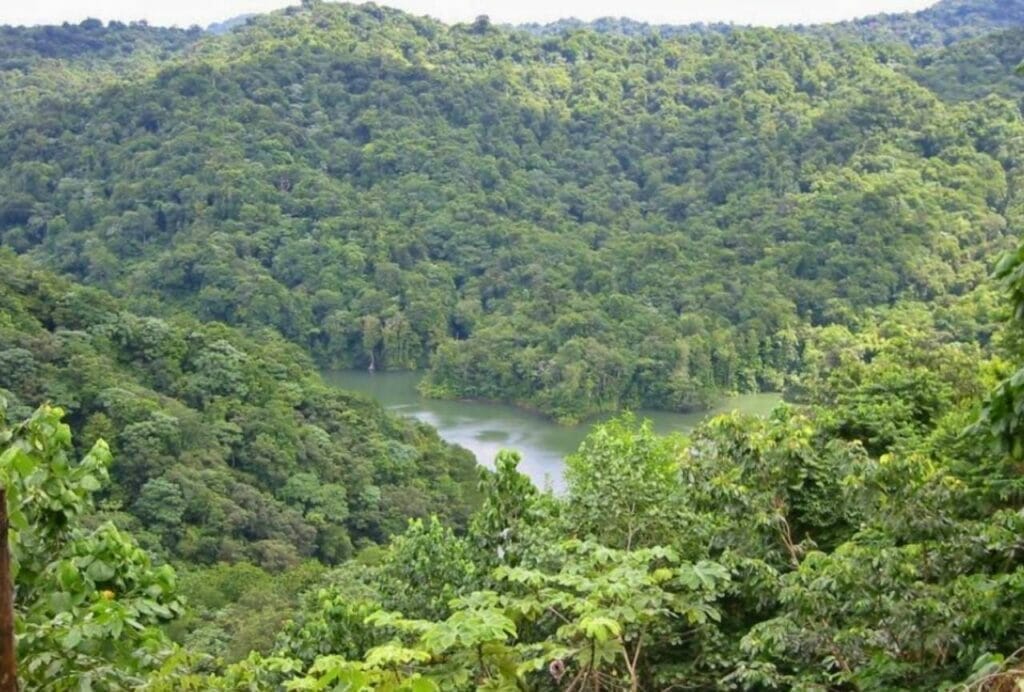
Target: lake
485, 428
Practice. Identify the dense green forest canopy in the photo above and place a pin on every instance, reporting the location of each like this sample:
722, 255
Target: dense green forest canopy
90, 40
944, 23
40, 66
578, 222
976, 68
228, 447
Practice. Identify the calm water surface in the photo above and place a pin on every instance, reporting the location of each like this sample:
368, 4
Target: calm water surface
485, 428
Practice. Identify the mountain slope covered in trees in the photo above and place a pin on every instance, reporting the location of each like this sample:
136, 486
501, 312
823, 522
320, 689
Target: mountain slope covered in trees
579, 222
974, 69
228, 448
43, 65
942, 24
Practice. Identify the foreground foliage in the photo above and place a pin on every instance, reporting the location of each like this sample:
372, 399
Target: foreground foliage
88, 602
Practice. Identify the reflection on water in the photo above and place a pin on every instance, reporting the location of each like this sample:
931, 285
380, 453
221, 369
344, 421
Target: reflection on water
486, 428
492, 435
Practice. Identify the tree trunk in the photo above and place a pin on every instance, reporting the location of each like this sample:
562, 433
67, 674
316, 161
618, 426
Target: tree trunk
8, 664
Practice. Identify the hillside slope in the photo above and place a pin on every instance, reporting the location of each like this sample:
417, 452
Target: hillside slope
942, 24
43, 65
976, 68
227, 448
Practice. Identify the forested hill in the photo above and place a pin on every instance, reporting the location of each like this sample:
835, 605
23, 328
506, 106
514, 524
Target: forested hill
976, 68
944, 23
90, 40
964, 48
579, 222
228, 448
41, 65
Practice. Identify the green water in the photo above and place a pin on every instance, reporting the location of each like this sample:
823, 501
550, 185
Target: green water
485, 428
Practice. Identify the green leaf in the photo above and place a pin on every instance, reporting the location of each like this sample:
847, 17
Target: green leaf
600, 628
394, 653
22, 463
89, 483
71, 639
100, 571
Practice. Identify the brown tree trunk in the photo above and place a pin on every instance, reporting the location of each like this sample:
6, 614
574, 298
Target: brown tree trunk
8, 664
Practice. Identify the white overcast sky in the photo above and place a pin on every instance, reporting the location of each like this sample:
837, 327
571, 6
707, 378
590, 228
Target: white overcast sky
203, 12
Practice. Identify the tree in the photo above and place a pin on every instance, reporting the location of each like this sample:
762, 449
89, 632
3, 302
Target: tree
88, 603
510, 509
597, 617
426, 568
621, 485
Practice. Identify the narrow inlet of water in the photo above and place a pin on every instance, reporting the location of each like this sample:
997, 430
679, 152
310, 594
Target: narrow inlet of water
486, 428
